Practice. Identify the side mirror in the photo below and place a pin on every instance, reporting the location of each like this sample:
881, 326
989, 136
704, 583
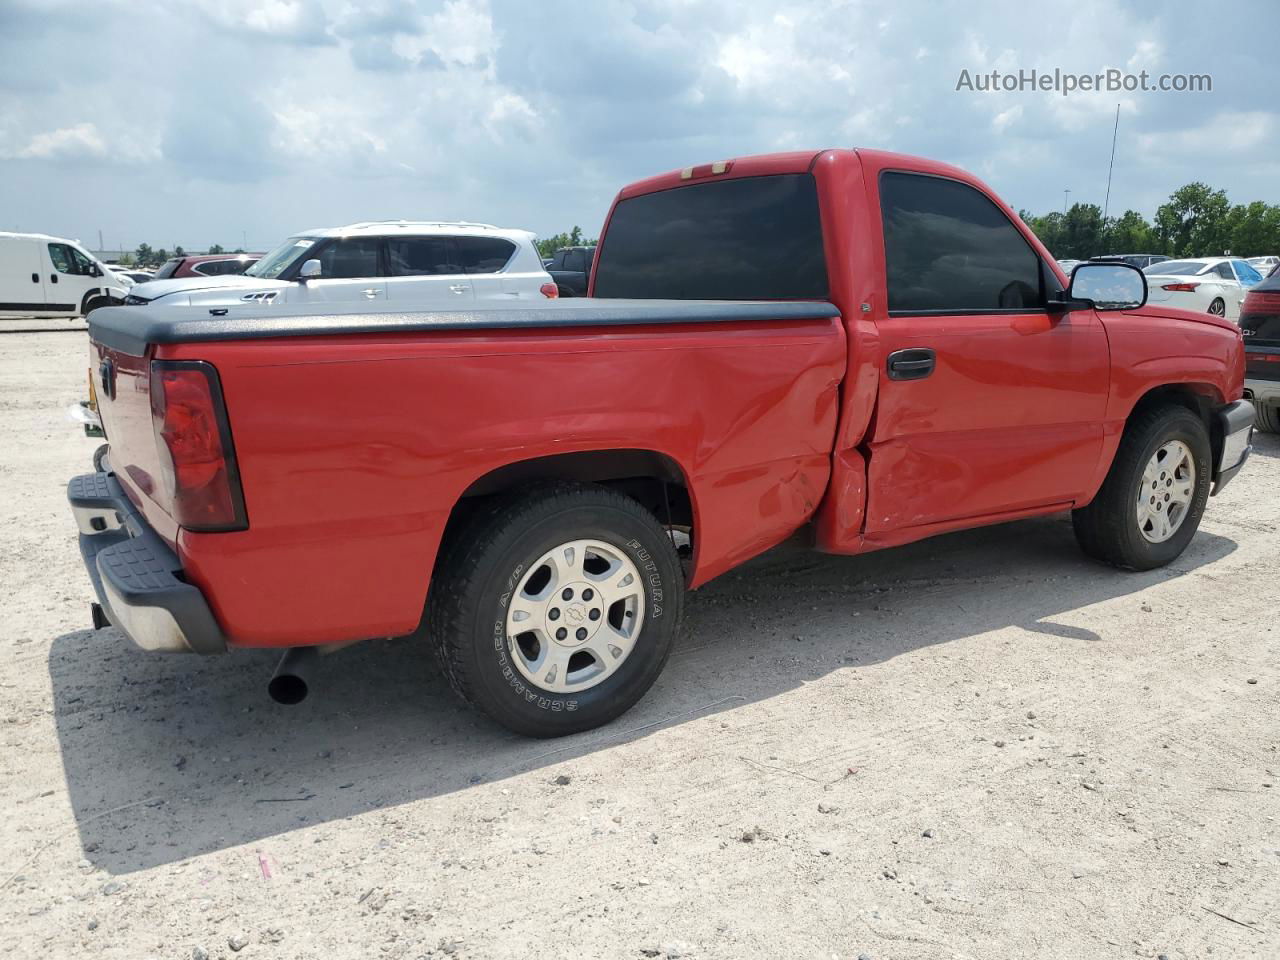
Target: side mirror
95, 270
1109, 286
310, 270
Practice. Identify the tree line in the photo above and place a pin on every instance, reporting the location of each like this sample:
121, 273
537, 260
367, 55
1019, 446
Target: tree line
1197, 221
574, 238
144, 256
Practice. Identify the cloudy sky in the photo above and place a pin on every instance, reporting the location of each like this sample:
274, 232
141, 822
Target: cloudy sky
205, 121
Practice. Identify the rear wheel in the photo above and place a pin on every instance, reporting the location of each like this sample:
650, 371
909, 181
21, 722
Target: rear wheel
1218, 308
1154, 495
556, 611
1266, 417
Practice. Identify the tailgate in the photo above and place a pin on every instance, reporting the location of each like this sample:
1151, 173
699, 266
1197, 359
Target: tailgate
122, 383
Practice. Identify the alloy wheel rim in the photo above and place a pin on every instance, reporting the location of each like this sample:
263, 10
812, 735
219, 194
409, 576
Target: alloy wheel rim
575, 615
1166, 491
1217, 308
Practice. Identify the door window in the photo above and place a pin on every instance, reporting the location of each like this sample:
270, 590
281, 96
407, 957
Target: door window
1224, 271
81, 264
575, 260
422, 256
484, 254
62, 259
352, 258
950, 249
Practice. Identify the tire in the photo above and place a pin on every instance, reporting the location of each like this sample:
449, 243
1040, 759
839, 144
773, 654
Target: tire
492, 568
95, 302
1110, 528
1266, 417
1218, 307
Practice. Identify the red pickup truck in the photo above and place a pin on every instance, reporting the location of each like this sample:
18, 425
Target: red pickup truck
860, 347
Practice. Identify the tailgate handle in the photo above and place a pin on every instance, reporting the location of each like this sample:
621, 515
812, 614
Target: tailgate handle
915, 363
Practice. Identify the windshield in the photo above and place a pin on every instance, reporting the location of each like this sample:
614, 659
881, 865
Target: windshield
1181, 268
281, 258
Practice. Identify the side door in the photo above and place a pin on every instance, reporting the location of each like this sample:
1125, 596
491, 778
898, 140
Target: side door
66, 281
350, 272
1228, 288
989, 404
427, 272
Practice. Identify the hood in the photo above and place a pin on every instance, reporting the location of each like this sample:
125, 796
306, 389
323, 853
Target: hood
154, 289
1177, 313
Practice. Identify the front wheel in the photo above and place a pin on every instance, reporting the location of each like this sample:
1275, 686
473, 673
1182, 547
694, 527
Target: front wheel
555, 612
1154, 495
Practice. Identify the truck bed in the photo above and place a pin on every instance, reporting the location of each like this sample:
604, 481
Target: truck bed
131, 329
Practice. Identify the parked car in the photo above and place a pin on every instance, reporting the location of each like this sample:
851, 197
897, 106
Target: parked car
1139, 260
206, 265
44, 276
571, 270
1069, 265
1264, 265
397, 262
511, 482
1260, 327
132, 273
1214, 285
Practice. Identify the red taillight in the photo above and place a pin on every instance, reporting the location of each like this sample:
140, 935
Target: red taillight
1183, 287
193, 439
549, 290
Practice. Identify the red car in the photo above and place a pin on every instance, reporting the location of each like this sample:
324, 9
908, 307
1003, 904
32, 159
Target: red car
206, 265
867, 347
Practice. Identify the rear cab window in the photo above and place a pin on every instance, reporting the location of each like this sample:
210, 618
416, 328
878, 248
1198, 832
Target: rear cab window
751, 238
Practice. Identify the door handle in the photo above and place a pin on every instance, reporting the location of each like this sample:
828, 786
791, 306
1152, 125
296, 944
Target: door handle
35, 278
370, 292
459, 287
915, 363
53, 278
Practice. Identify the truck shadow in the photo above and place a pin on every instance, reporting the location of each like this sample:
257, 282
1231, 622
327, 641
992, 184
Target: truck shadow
171, 757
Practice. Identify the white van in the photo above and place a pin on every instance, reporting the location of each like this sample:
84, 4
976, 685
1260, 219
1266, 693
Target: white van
42, 276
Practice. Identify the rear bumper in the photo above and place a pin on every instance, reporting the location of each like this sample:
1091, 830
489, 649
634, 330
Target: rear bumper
1236, 420
137, 577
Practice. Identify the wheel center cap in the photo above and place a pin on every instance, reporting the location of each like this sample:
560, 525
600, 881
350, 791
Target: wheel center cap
575, 614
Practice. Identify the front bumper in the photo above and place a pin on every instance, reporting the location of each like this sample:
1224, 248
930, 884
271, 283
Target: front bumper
1236, 420
137, 577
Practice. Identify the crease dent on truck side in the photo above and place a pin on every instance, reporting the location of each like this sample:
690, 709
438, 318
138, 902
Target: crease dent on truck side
866, 346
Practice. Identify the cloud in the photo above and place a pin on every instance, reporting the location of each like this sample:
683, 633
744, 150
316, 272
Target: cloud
293, 21
79, 141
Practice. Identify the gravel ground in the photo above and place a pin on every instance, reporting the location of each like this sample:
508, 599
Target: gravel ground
982, 746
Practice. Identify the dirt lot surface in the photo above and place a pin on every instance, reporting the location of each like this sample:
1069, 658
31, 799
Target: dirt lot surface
982, 746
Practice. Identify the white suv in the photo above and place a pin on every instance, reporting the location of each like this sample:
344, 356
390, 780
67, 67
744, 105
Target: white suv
409, 264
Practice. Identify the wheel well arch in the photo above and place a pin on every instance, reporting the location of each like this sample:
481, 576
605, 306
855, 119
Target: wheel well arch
1199, 398
94, 293
655, 480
